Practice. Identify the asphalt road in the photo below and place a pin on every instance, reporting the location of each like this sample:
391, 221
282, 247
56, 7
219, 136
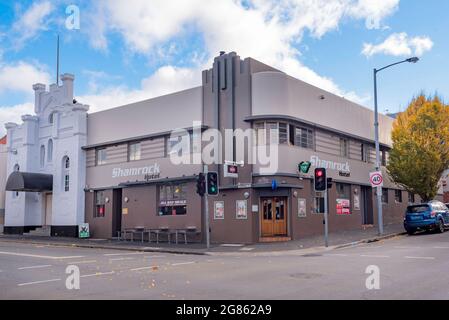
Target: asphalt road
410, 268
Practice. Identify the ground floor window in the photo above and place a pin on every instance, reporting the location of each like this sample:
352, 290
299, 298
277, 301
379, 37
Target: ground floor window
398, 196
411, 197
343, 191
172, 199
384, 195
100, 204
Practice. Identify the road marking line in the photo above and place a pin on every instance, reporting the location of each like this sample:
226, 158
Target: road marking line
373, 256
81, 262
66, 258
147, 257
182, 263
121, 259
122, 254
37, 282
336, 255
144, 268
408, 247
441, 247
37, 256
422, 258
35, 267
98, 274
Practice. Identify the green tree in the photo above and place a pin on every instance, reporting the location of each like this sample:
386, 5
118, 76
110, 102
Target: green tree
420, 151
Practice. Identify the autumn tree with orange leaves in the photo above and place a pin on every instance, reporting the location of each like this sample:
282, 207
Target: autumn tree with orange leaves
420, 151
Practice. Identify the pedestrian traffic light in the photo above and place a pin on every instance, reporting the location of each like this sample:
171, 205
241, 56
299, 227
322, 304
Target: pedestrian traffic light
212, 183
320, 179
201, 184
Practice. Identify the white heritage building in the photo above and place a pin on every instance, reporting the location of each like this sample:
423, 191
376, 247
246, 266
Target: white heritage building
46, 164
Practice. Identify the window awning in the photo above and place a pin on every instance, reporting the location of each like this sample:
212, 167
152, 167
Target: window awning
29, 182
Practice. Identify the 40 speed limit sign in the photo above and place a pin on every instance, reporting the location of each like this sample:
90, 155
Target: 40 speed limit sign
376, 179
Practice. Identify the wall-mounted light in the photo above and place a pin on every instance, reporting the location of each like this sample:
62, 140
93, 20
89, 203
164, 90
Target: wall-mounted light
126, 199
246, 195
295, 194
106, 200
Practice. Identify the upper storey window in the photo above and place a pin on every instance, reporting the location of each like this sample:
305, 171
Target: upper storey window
51, 118
303, 138
42, 157
50, 150
134, 151
283, 133
101, 156
344, 148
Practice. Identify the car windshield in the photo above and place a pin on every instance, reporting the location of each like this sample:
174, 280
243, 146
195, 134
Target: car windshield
418, 209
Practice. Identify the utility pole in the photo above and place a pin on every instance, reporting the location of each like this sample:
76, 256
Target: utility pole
376, 136
376, 133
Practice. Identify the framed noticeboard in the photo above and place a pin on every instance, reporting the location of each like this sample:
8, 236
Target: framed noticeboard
302, 208
241, 209
218, 210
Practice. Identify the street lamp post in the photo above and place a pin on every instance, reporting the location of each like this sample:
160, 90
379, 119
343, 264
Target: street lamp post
376, 134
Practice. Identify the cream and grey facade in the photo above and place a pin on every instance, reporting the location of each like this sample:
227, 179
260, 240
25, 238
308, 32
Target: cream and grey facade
131, 181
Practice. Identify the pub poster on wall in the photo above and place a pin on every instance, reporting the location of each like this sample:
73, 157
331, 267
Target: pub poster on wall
343, 206
219, 210
302, 208
241, 210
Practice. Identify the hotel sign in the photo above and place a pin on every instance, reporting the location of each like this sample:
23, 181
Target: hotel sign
149, 172
343, 169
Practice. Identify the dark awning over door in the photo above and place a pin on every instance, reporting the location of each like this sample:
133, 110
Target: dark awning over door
29, 182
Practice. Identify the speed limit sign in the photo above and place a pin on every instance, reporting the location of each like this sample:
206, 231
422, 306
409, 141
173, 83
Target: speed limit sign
376, 179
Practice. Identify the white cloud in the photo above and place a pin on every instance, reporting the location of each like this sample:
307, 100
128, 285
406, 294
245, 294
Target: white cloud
373, 11
31, 22
399, 44
20, 77
266, 30
165, 80
13, 114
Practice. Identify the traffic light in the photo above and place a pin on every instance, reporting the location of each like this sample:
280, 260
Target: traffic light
201, 184
212, 183
320, 179
329, 183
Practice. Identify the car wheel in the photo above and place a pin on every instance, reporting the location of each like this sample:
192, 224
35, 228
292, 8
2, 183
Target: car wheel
441, 226
411, 232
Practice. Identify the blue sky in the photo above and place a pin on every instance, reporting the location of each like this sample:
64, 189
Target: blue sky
123, 53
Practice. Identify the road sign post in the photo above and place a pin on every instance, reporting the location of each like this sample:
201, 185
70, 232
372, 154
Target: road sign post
321, 185
206, 210
326, 221
377, 181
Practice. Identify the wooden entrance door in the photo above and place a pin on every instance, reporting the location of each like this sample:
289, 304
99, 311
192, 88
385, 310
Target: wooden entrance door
274, 216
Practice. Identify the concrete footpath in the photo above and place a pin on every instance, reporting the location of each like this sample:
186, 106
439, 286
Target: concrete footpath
307, 245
